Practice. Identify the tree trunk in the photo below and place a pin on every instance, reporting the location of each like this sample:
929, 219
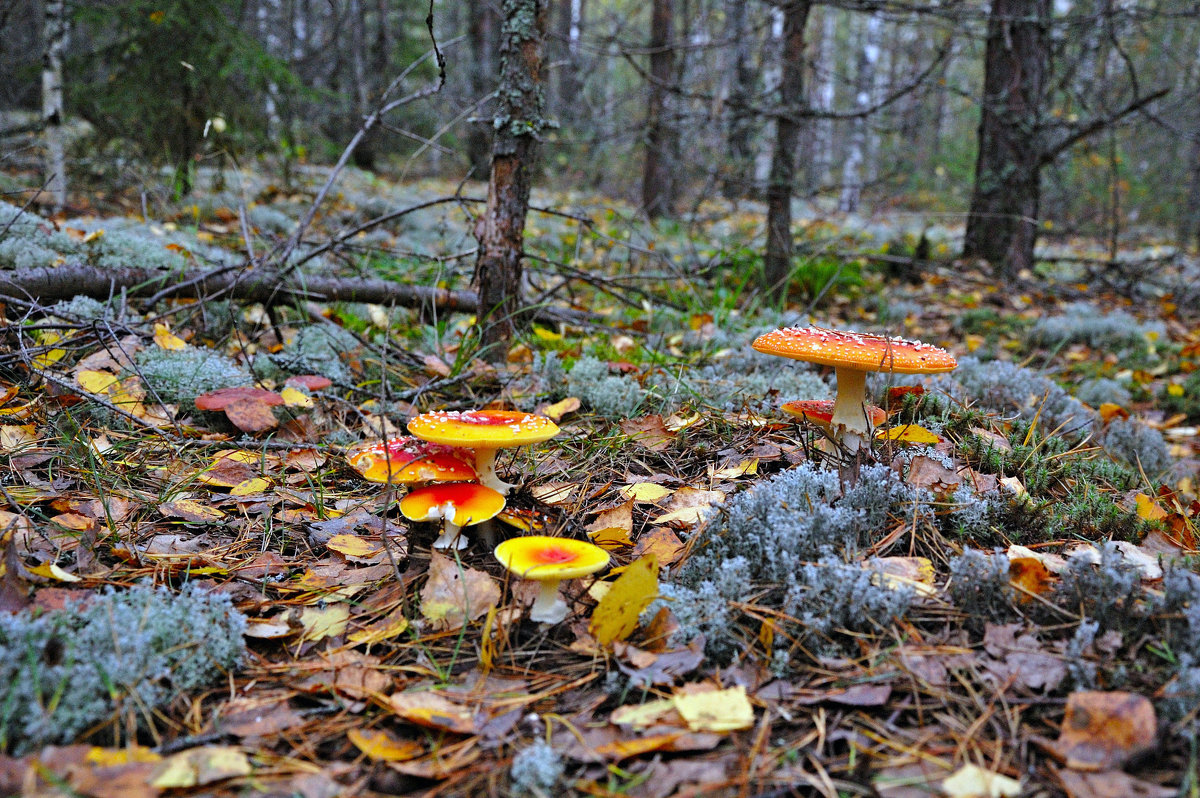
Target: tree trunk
1002, 222
658, 169
55, 36
481, 33
519, 121
777, 264
741, 87
864, 83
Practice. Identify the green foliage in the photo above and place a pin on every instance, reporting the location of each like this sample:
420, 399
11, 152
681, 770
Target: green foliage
821, 276
157, 72
180, 375
64, 673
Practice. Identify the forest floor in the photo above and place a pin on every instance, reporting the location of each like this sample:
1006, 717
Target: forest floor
1003, 599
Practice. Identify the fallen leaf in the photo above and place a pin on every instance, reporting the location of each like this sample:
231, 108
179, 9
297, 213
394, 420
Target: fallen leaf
689, 506
200, 766
294, 397
167, 339
648, 431
251, 415
646, 492
972, 781
556, 411
907, 433
455, 594
353, 546
192, 511
660, 542
613, 527
322, 622
380, 746
615, 617
1104, 730
384, 629
1110, 784
434, 711
716, 710
1148, 510
1030, 576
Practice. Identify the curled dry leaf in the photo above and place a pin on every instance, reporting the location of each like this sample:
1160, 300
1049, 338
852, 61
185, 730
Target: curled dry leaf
1104, 730
455, 594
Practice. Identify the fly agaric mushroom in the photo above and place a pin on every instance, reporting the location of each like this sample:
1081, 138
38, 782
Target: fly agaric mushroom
409, 461
549, 561
820, 412
852, 355
456, 504
485, 431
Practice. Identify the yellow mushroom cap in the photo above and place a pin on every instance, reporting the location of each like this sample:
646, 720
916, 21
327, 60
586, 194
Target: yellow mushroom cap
539, 557
406, 461
859, 351
459, 503
820, 411
492, 429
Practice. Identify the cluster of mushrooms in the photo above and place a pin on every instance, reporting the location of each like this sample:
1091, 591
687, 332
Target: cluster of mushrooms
450, 463
849, 419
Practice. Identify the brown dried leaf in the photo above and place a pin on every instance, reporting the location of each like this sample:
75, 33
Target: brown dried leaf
1103, 730
648, 431
454, 594
251, 415
434, 711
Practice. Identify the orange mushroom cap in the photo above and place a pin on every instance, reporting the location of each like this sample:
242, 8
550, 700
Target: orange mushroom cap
860, 351
820, 411
458, 503
408, 461
491, 429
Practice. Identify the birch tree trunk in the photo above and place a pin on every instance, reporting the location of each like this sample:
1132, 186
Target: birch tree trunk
55, 37
658, 191
518, 123
864, 84
777, 264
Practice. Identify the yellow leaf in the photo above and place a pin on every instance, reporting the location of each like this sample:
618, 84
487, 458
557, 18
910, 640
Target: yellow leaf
294, 397
615, 617
200, 766
383, 747
1175, 389
167, 339
743, 469
352, 546
543, 334
96, 381
250, 487
385, 629
1148, 510
642, 716
320, 623
112, 757
716, 710
52, 571
14, 437
646, 492
1108, 411
972, 781
974, 342
92, 236
559, 409
908, 433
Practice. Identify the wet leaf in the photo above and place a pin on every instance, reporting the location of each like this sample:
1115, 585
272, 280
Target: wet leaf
380, 746
455, 594
716, 710
1103, 730
433, 711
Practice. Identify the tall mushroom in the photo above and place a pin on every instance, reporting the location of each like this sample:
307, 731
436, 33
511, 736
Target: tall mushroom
852, 355
485, 431
455, 504
549, 561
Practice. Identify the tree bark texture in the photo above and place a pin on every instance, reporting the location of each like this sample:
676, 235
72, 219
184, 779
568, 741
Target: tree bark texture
1002, 222
738, 178
658, 168
777, 264
854, 166
500, 231
55, 36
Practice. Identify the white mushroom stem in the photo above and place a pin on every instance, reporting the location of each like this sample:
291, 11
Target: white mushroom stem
548, 607
451, 536
485, 467
849, 414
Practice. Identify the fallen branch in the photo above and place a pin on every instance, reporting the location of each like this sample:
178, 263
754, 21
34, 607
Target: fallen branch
53, 283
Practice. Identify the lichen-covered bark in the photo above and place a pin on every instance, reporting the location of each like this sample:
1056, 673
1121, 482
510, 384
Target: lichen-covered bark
1002, 223
778, 261
519, 120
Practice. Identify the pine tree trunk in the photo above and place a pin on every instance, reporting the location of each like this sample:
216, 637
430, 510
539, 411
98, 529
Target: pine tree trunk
55, 37
741, 87
777, 264
1002, 222
658, 168
519, 121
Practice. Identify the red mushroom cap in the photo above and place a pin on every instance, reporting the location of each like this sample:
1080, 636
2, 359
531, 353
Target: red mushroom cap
459, 503
408, 461
820, 411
